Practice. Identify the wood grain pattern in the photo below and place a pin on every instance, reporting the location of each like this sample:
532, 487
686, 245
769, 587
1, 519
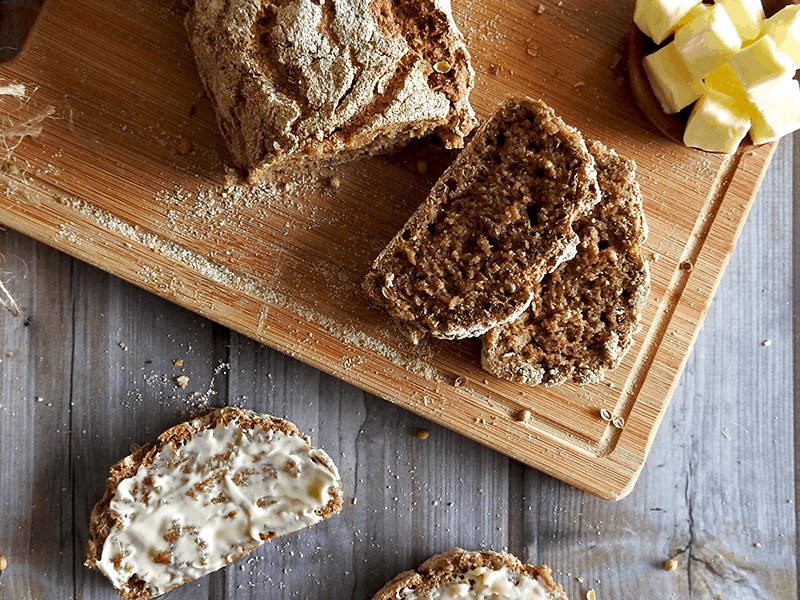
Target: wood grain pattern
88, 369
108, 181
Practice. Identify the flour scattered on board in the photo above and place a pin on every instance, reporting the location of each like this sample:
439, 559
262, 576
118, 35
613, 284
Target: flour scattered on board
208, 267
201, 221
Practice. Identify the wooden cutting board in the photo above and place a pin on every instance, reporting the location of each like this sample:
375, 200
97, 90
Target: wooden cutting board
113, 156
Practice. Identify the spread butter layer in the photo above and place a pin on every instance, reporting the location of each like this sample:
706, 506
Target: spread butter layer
203, 504
483, 583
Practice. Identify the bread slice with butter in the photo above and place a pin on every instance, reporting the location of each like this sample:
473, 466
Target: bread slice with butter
484, 575
208, 492
496, 221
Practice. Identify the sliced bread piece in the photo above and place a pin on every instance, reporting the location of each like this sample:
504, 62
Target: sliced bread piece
498, 219
302, 83
463, 575
584, 315
207, 493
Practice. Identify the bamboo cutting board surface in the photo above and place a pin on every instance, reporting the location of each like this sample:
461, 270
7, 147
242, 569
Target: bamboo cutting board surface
113, 156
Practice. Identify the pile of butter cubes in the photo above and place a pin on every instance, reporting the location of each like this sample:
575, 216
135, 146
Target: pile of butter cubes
736, 66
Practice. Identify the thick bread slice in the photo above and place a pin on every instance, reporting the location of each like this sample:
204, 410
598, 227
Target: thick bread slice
584, 315
462, 575
210, 491
498, 219
299, 83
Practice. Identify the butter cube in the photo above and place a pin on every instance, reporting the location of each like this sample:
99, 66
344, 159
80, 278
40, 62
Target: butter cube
658, 18
724, 80
777, 114
670, 80
761, 67
717, 123
784, 29
706, 42
692, 15
747, 16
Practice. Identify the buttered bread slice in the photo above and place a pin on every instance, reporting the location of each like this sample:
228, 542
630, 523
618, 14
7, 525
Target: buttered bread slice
208, 492
462, 575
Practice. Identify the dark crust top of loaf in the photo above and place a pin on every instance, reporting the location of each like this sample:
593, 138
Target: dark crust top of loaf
102, 520
498, 219
280, 115
584, 315
444, 568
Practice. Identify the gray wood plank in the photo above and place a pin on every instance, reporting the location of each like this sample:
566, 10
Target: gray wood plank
124, 385
35, 526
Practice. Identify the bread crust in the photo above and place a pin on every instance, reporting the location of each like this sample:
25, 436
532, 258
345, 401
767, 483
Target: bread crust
498, 219
443, 568
298, 84
103, 520
584, 314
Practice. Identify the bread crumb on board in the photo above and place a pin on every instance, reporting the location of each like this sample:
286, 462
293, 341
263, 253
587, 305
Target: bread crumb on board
212, 204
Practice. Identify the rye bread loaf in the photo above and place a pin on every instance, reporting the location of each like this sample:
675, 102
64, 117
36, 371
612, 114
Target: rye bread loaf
584, 314
208, 492
463, 575
302, 83
497, 220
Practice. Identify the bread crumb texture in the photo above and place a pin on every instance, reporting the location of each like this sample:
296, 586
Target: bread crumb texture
299, 83
207, 493
583, 315
532, 239
499, 218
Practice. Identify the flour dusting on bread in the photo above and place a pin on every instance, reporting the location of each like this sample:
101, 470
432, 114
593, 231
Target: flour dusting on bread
301, 83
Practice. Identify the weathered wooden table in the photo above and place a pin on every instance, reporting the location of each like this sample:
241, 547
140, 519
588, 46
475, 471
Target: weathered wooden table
88, 369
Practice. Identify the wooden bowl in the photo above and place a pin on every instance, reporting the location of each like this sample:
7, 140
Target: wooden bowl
639, 46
